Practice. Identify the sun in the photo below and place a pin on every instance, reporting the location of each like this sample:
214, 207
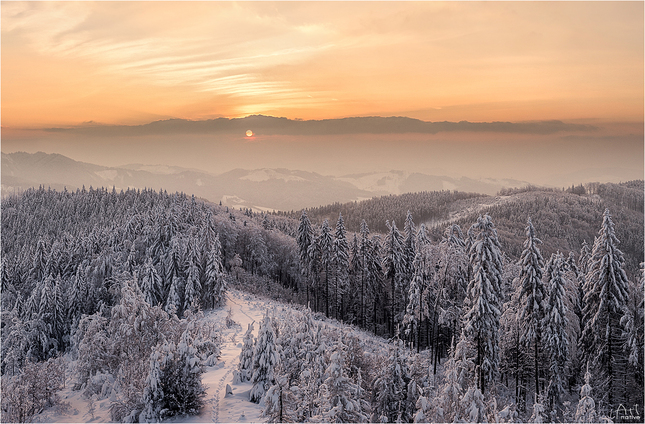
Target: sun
249, 133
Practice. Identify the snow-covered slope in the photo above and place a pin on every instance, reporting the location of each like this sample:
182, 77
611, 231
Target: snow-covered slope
398, 182
219, 407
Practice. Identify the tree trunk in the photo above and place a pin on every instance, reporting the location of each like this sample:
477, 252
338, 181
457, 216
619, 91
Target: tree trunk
362, 320
419, 322
326, 291
537, 378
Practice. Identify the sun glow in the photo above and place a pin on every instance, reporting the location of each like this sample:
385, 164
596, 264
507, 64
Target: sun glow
249, 133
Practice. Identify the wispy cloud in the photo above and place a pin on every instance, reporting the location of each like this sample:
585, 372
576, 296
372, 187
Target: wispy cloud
166, 58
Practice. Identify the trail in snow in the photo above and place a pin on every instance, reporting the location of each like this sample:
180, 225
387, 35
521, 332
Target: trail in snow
236, 407
218, 406
217, 397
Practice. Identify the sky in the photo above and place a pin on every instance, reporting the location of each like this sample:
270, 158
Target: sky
77, 65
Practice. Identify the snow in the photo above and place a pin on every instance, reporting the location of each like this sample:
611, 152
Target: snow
218, 407
260, 175
108, 174
389, 181
447, 185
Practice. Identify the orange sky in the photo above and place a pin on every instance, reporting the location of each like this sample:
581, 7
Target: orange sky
132, 63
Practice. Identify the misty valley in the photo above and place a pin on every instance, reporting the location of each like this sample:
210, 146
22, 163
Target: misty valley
140, 305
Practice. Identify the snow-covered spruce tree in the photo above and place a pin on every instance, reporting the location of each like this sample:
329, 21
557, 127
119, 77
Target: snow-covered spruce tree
532, 297
414, 311
586, 411
341, 267
409, 253
451, 265
313, 366
605, 300
555, 331
214, 280
481, 320
353, 282
151, 283
390, 388
173, 302
315, 269
447, 405
265, 359
326, 245
245, 367
393, 269
174, 384
513, 354
365, 253
280, 403
473, 405
193, 289
585, 254
339, 394
185, 389
153, 395
304, 239
632, 322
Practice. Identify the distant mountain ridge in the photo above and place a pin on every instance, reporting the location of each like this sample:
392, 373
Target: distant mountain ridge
259, 189
269, 125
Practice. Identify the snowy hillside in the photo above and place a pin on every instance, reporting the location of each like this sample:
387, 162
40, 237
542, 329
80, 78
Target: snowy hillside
119, 302
231, 320
219, 407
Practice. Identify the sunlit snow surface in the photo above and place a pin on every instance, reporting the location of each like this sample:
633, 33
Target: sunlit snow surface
217, 407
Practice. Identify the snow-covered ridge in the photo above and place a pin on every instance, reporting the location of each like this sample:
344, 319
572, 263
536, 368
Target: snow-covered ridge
259, 175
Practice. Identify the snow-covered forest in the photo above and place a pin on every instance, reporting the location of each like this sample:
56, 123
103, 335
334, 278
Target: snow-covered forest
121, 298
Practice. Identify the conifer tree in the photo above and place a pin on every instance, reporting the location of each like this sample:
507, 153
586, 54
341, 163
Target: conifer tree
605, 299
151, 284
314, 260
532, 296
193, 289
304, 240
538, 415
265, 359
586, 411
326, 244
365, 253
481, 320
214, 281
393, 269
341, 265
450, 392
340, 402
633, 324
188, 391
414, 311
153, 395
173, 302
474, 406
390, 388
245, 367
555, 330
409, 253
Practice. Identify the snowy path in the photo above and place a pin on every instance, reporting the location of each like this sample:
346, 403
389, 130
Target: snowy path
236, 407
